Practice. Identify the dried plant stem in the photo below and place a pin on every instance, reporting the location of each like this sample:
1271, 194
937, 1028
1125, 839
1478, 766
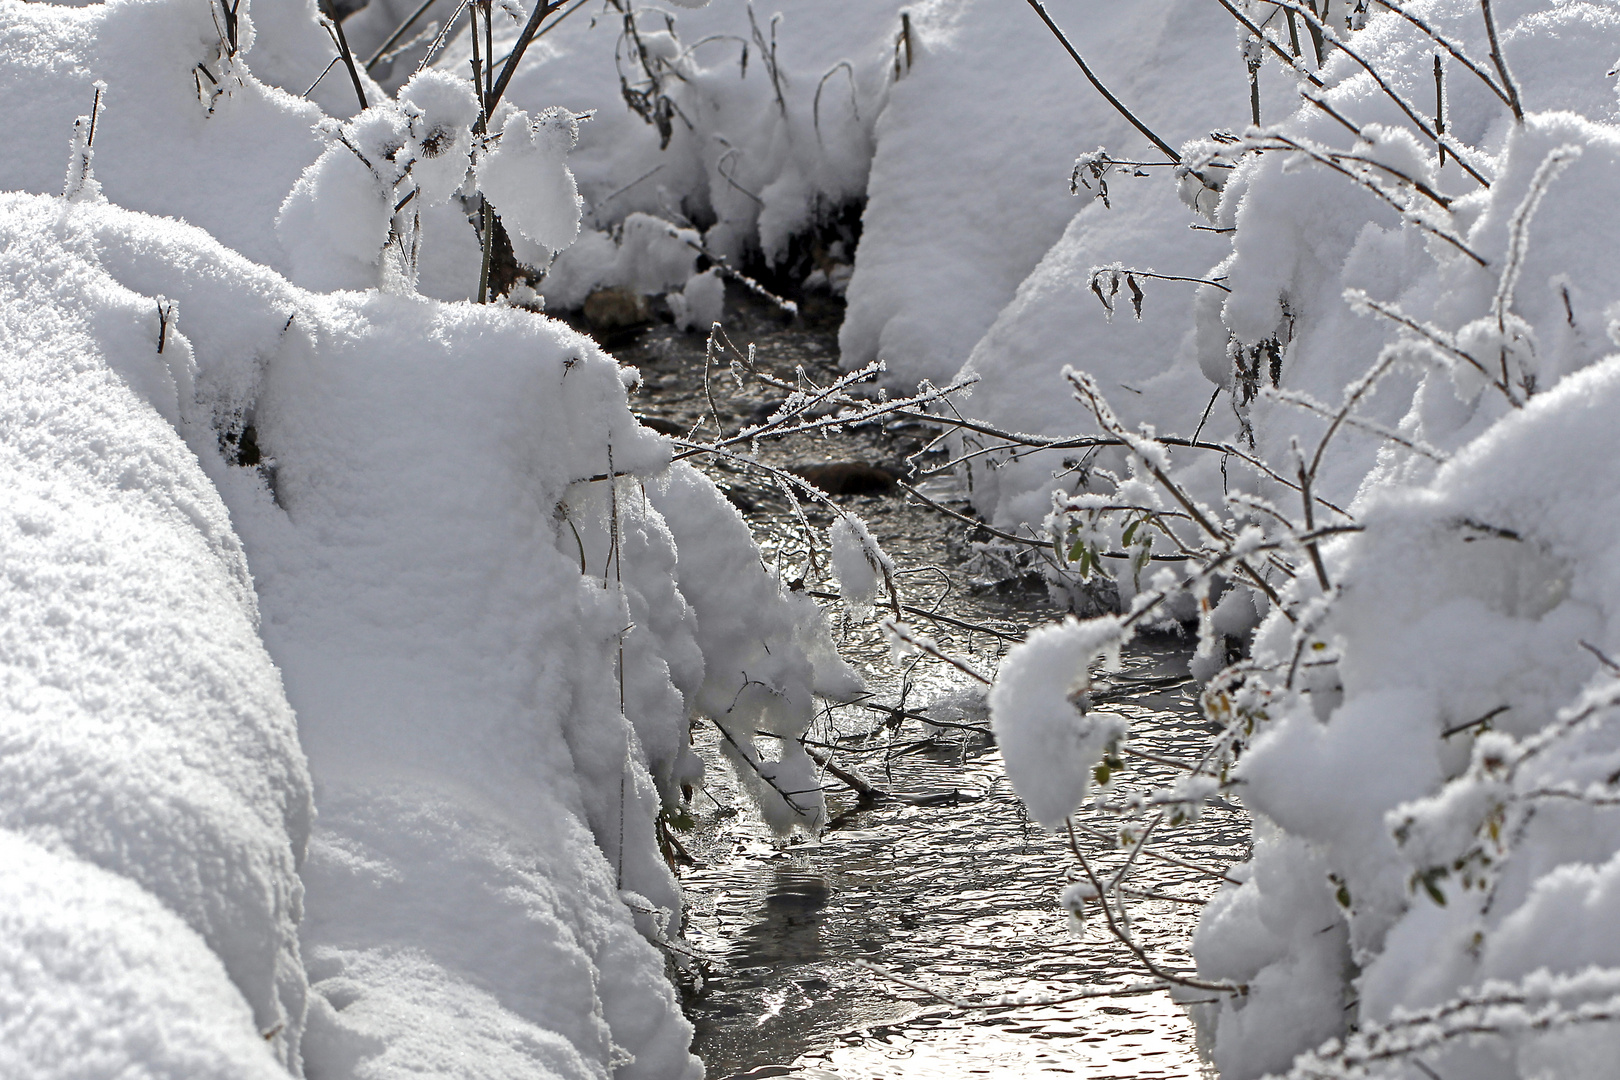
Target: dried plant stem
525, 38
400, 31
1292, 61
489, 248
334, 27
1119, 106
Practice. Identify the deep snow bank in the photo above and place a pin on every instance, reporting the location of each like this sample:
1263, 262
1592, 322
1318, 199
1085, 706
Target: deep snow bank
466, 553
157, 803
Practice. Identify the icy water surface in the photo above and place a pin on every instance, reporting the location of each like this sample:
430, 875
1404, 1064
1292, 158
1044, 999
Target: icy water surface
959, 893
960, 897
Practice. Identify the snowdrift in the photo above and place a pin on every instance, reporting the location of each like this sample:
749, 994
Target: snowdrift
970, 178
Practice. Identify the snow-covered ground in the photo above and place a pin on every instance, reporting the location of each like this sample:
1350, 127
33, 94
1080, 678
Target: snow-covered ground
350, 632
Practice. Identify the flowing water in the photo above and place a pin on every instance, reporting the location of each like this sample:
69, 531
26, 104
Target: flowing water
944, 883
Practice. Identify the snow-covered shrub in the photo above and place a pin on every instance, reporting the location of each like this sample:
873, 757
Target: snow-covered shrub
748, 127
1399, 476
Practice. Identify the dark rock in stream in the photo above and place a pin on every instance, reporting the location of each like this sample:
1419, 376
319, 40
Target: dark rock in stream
616, 309
660, 425
849, 478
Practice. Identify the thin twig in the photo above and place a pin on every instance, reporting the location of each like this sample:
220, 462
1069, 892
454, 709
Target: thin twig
1119, 106
1500, 61
334, 27
400, 31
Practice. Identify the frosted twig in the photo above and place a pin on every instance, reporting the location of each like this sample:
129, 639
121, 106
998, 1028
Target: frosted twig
1508, 84
903, 634
1383, 84
399, 31
525, 38
1371, 427
1433, 335
1292, 60
786, 796
444, 33
1325, 158
1450, 46
1496, 1010
1151, 455
1554, 163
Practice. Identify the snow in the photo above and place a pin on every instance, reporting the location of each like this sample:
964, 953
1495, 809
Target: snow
99, 978
442, 111
1049, 739
701, 302
970, 189
749, 155
242, 158
283, 534
864, 571
1408, 854
775, 657
147, 740
525, 176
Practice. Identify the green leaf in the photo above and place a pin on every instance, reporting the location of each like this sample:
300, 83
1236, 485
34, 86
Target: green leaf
679, 819
1429, 879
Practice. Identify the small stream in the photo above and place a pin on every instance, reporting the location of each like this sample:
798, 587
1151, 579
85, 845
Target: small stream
957, 895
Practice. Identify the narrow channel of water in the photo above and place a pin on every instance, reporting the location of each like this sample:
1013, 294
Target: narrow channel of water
959, 894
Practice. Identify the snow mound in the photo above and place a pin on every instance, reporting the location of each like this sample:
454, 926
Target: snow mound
970, 188
239, 145
99, 978
143, 727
